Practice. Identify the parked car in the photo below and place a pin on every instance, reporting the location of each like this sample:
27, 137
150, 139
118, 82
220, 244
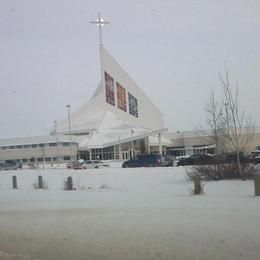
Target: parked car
168, 162
178, 158
94, 164
255, 159
19, 164
76, 165
196, 159
145, 160
11, 165
232, 158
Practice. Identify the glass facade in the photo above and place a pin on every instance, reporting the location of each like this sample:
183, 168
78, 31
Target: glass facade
110, 93
121, 97
133, 105
106, 153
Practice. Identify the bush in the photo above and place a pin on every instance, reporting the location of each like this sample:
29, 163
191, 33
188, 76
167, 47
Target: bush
222, 171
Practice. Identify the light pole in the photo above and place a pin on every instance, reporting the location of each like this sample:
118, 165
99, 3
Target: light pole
56, 136
119, 148
132, 153
68, 107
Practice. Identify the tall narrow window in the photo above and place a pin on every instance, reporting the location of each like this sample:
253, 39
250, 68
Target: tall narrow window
121, 97
110, 93
133, 105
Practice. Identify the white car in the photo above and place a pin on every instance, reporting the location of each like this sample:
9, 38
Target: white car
94, 164
178, 158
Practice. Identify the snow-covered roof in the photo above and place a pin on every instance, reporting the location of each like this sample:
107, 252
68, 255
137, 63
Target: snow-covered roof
35, 140
113, 130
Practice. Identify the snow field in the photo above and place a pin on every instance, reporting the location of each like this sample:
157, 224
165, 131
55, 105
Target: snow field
115, 213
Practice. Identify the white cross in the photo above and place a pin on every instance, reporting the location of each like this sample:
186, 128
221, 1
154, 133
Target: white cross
100, 22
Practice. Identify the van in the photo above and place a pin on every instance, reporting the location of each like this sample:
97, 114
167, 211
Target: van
145, 160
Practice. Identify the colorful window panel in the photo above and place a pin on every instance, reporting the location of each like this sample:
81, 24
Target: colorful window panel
133, 105
110, 93
121, 97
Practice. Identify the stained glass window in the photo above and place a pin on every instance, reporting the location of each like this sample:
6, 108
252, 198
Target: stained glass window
110, 94
133, 105
121, 97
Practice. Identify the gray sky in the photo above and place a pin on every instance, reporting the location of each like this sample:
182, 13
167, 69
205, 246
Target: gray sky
173, 49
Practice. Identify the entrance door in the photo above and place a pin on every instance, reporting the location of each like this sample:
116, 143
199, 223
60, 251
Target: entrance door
125, 155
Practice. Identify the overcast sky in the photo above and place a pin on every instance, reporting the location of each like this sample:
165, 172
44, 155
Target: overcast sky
173, 49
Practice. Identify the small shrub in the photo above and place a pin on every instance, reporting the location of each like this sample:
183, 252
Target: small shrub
222, 171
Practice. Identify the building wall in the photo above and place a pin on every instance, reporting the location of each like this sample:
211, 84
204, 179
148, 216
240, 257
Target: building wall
145, 105
189, 140
53, 153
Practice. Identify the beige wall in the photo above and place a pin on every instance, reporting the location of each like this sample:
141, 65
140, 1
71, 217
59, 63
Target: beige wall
190, 141
58, 151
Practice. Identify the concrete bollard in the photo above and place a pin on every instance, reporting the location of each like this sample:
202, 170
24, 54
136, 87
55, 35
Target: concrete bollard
197, 186
14, 181
70, 183
257, 185
40, 182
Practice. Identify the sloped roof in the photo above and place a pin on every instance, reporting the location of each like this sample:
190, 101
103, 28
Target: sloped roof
110, 130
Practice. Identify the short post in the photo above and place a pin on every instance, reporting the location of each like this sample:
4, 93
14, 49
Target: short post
14, 182
70, 183
257, 185
197, 185
40, 182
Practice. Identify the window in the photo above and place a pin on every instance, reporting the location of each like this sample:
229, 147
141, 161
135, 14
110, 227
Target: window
97, 154
19, 147
66, 158
47, 159
65, 144
26, 146
42, 145
39, 159
121, 97
34, 145
133, 106
52, 144
25, 160
110, 95
108, 153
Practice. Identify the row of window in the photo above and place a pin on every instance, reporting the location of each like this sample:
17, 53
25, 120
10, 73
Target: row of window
46, 159
27, 146
121, 96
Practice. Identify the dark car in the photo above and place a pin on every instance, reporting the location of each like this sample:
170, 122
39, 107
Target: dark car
145, 160
255, 160
10, 165
168, 162
196, 159
15, 162
232, 158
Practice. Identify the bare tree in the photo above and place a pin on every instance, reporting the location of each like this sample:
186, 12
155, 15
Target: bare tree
215, 123
232, 132
239, 130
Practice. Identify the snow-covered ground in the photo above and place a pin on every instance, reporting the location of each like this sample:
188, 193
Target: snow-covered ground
115, 213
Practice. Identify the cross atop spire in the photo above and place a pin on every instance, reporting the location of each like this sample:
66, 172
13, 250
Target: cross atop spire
100, 23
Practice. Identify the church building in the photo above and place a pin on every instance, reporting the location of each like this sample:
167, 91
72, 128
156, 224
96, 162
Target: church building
118, 122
